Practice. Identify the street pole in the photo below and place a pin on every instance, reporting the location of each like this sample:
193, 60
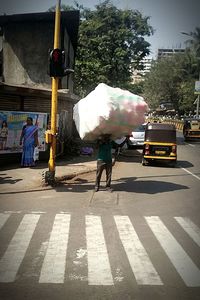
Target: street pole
50, 176
197, 113
198, 106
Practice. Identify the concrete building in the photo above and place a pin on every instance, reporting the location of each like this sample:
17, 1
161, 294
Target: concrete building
27, 38
138, 75
166, 52
25, 85
147, 63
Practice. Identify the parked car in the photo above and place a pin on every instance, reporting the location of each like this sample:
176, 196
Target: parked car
136, 139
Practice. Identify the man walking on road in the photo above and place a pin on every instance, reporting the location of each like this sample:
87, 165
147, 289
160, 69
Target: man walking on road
104, 160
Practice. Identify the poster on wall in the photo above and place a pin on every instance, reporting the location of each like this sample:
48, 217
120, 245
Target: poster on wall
11, 124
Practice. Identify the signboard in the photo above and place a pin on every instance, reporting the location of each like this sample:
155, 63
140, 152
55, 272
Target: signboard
14, 121
197, 87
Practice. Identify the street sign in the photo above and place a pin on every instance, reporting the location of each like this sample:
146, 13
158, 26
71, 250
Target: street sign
197, 87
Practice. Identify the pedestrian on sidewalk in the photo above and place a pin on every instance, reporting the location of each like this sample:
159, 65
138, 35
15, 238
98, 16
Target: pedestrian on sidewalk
104, 159
3, 135
29, 139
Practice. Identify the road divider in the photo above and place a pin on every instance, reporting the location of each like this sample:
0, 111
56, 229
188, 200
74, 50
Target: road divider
178, 123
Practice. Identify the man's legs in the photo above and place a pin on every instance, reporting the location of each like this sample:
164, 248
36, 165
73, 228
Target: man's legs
100, 168
108, 174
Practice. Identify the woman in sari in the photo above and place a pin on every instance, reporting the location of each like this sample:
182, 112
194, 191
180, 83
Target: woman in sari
29, 138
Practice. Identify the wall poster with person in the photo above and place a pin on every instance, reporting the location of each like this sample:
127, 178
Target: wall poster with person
11, 124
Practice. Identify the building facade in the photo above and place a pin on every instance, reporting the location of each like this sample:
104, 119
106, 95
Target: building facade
167, 52
138, 75
24, 83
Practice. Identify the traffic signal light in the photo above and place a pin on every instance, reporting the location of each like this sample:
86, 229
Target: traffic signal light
57, 59
57, 64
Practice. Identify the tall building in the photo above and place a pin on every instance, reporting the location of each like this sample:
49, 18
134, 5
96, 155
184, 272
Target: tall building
139, 74
147, 62
166, 52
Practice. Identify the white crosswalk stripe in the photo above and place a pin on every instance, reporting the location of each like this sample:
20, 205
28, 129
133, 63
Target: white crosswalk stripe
179, 258
190, 228
99, 272
53, 268
3, 219
138, 258
98, 264
11, 260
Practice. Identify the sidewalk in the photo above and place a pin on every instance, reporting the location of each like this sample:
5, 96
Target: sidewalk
13, 178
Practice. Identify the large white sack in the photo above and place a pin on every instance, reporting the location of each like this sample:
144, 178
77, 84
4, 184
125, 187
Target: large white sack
108, 110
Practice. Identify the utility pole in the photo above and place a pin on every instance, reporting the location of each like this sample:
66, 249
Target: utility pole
51, 135
197, 113
197, 91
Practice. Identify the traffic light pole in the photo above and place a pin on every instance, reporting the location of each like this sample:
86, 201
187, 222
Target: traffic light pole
50, 175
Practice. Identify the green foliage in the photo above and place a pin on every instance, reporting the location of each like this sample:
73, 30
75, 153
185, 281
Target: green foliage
111, 42
194, 41
160, 82
172, 79
187, 97
136, 88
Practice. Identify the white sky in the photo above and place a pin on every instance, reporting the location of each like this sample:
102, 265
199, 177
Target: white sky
168, 17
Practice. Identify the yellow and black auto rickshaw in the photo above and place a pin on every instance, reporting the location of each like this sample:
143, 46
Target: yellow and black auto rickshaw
191, 129
160, 144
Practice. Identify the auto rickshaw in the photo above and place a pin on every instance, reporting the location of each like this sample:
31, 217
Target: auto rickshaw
160, 144
191, 129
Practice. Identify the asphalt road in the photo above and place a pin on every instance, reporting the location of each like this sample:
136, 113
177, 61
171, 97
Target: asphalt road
139, 242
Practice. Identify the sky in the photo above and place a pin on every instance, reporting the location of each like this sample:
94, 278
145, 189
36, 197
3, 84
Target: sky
168, 17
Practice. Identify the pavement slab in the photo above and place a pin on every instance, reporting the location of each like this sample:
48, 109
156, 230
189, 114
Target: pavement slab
13, 178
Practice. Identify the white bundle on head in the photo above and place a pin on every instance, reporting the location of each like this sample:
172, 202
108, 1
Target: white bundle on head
108, 110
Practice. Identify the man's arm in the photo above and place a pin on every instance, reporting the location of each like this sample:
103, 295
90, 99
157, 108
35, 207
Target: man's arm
115, 145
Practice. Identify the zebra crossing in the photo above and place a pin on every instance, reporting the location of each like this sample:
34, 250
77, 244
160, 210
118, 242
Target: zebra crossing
99, 267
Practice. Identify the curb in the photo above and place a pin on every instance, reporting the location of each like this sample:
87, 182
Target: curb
41, 186
71, 176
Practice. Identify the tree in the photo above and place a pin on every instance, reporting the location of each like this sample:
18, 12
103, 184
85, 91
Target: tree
159, 83
194, 41
111, 43
187, 97
193, 48
172, 80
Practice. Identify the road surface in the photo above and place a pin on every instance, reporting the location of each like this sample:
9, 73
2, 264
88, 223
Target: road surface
140, 242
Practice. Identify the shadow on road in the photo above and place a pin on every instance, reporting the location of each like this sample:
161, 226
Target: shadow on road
129, 185
8, 179
147, 187
185, 164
